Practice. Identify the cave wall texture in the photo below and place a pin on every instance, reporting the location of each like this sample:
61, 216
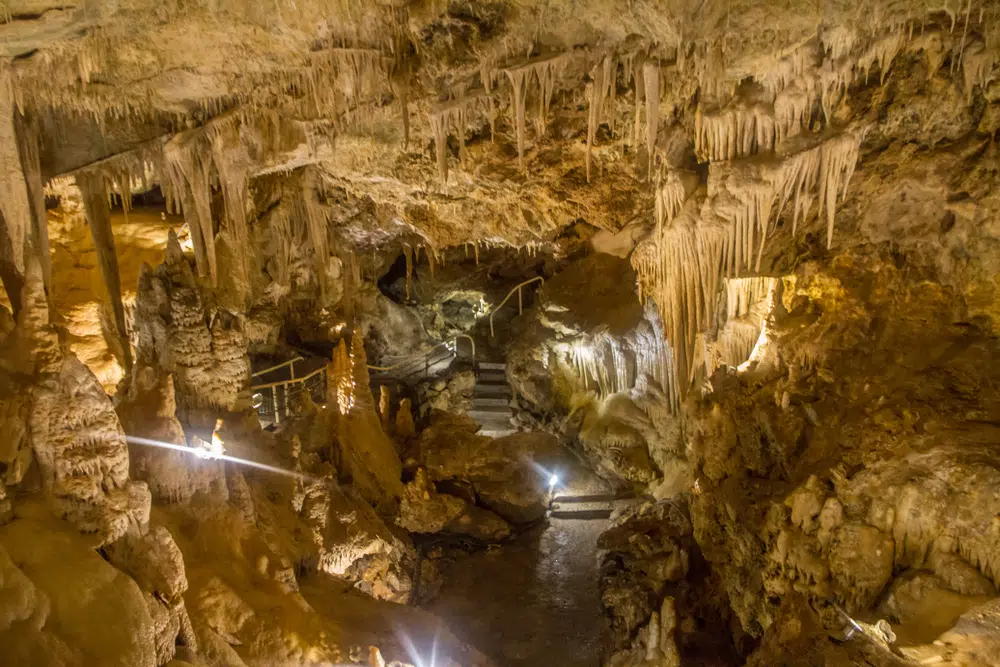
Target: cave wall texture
770, 233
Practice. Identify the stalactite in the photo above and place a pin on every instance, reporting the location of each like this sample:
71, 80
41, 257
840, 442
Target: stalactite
596, 100
488, 77
651, 80
232, 161
517, 82
408, 255
445, 115
28, 147
977, 67
546, 71
316, 223
15, 203
95, 199
188, 162
792, 111
739, 130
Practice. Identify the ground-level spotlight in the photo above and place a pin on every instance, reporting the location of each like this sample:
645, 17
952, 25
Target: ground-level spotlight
553, 481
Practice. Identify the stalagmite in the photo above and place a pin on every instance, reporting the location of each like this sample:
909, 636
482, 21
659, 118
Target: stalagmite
95, 200
384, 408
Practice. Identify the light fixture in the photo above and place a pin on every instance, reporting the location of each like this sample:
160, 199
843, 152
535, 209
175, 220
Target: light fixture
553, 480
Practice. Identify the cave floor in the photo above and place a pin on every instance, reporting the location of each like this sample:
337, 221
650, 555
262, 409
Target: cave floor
531, 603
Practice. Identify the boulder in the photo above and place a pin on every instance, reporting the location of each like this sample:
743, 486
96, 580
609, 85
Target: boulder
424, 510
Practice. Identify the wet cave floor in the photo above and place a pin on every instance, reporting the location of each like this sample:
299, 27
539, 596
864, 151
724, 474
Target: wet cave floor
533, 602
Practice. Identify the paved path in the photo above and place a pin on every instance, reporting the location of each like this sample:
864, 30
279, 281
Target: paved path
531, 603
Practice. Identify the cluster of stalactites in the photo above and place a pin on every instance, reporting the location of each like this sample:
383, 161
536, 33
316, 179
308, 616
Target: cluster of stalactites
738, 130
744, 305
452, 114
682, 265
190, 161
609, 364
316, 224
333, 82
644, 73
545, 71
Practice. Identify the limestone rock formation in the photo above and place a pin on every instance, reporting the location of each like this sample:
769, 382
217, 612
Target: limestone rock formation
510, 475
424, 510
203, 348
768, 234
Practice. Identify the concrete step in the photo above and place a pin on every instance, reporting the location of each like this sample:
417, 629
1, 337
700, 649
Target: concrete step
490, 410
492, 377
581, 515
496, 432
492, 366
491, 390
597, 498
481, 401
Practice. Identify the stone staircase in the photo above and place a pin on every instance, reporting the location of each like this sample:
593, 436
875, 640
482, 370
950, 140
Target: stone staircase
589, 507
491, 400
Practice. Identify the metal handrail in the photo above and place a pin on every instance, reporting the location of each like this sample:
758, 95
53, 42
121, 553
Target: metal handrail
278, 366
271, 385
471, 342
520, 302
409, 358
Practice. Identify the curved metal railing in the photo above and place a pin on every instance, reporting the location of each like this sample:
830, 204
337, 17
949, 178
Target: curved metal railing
520, 299
273, 400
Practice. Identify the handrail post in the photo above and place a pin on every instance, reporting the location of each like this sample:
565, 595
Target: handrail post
274, 402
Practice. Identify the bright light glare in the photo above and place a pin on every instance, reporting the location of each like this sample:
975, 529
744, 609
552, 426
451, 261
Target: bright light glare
203, 453
553, 480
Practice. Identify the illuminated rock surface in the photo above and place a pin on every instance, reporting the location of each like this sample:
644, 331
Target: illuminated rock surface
729, 270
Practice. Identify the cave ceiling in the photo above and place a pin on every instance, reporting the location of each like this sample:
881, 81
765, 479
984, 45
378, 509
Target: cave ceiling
454, 121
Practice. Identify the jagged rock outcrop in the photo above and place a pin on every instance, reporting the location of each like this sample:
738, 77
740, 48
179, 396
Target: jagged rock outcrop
510, 475
72, 606
74, 435
451, 394
156, 564
149, 410
179, 333
424, 510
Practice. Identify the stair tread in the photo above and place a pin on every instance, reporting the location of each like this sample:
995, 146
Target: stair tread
492, 400
491, 409
492, 366
583, 515
492, 390
594, 498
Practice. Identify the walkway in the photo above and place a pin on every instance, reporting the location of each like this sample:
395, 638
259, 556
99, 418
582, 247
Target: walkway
532, 603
